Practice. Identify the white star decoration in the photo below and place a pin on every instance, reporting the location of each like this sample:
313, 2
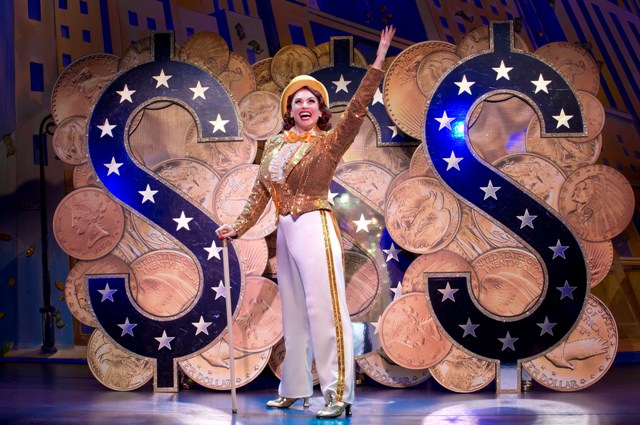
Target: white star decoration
394, 130
341, 84
125, 94
113, 166
221, 291
397, 291
331, 197
392, 252
541, 84
375, 327
164, 340
198, 91
558, 250
562, 119
201, 326
106, 128
107, 293
507, 342
526, 219
502, 71
447, 293
452, 161
183, 221
547, 327
490, 191
465, 86
362, 224
127, 328
147, 194
444, 121
219, 124
162, 80
377, 98
213, 250
566, 290
469, 328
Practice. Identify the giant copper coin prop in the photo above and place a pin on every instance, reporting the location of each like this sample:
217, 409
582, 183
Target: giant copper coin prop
409, 334
211, 368
594, 116
264, 82
569, 156
362, 282
76, 291
443, 261
238, 76
193, 178
584, 357
599, 256
462, 372
277, 359
538, 175
140, 52
231, 195
574, 63
323, 53
221, 156
510, 281
385, 372
400, 178
114, 367
421, 216
151, 235
271, 269
469, 242
87, 224
258, 325
84, 176
161, 132
80, 84
368, 179
597, 202
291, 61
166, 282
432, 67
131, 245
69, 141
207, 50
403, 99
477, 40
419, 166
254, 255
492, 233
260, 115
492, 135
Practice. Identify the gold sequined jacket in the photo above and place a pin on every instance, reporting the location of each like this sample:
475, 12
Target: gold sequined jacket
309, 172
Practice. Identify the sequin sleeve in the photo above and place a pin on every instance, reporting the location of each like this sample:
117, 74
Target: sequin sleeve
253, 209
347, 128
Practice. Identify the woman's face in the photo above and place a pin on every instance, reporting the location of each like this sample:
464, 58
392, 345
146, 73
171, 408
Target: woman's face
305, 110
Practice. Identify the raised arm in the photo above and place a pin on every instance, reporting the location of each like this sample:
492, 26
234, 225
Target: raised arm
385, 41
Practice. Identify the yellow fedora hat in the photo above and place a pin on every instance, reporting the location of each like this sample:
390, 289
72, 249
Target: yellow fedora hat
296, 84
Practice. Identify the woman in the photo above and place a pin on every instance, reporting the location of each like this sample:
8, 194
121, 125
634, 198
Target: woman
296, 171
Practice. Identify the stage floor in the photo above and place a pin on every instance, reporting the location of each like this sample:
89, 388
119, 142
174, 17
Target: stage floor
66, 393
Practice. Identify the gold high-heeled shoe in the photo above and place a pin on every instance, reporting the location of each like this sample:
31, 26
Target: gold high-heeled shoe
286, 402
333, 409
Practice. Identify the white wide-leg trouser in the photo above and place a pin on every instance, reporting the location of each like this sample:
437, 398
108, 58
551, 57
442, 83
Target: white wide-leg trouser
314, 308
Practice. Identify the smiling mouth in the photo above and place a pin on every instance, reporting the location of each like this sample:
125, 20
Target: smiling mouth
305, 115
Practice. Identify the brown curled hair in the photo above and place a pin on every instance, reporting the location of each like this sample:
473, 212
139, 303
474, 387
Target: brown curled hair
324, 122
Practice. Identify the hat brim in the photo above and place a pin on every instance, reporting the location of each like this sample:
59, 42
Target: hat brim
296, 84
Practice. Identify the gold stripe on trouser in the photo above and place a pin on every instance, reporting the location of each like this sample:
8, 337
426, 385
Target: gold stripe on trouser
333, 288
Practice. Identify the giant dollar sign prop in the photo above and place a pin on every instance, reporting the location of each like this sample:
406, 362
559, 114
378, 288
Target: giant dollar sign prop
506, 339
183, 335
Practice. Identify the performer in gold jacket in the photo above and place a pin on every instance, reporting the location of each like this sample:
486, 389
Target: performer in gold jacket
296, 172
